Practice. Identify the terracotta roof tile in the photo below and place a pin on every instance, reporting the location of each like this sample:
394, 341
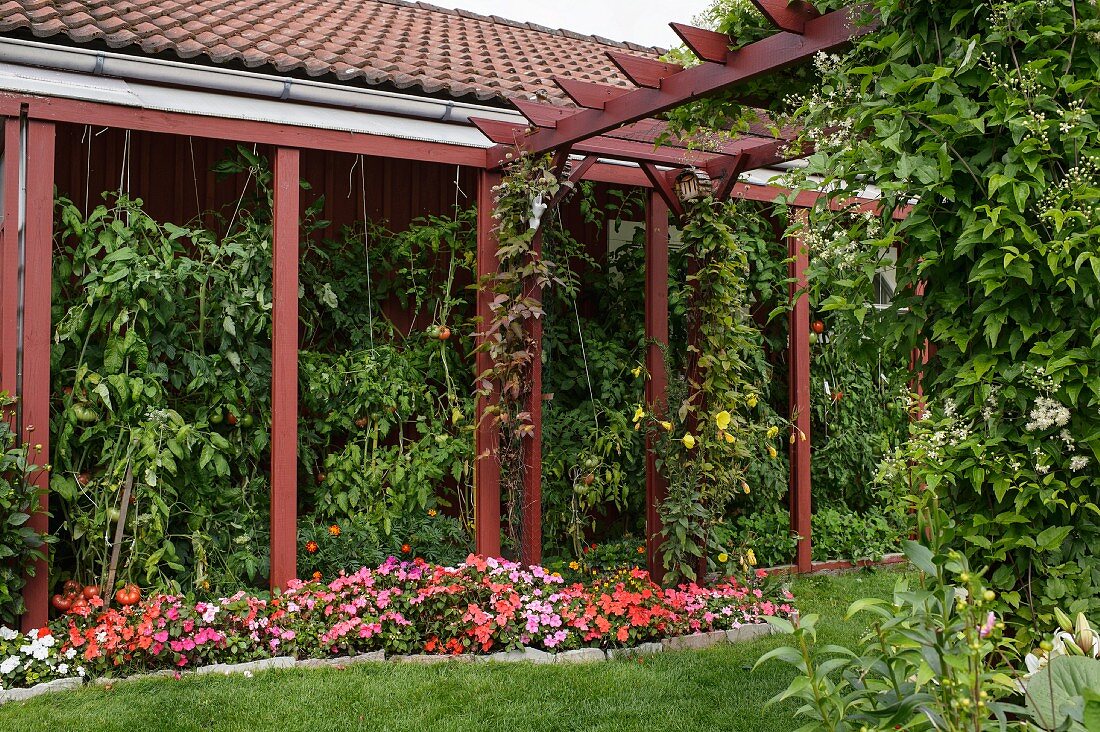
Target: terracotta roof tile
393, 42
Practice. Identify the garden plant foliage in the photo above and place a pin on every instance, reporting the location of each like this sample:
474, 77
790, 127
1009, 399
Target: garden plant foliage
981, 116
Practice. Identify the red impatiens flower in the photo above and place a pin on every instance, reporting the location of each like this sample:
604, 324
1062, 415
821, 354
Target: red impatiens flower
311, 547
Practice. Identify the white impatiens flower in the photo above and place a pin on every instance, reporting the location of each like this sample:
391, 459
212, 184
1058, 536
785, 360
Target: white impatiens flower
9, 664
7, 633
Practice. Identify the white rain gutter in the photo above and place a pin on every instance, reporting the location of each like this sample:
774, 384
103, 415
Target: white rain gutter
248, 83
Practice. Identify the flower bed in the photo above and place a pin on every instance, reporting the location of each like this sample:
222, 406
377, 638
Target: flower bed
401, 607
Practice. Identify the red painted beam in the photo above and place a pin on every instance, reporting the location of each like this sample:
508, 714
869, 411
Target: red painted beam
656, 331
798, 357
807, 199
284, 369
9, 258
642, 71
589, 93
37, 331
309, 138
662, 183
767, 55
486, 436
511, 135
706, 44
542, 115
788, 15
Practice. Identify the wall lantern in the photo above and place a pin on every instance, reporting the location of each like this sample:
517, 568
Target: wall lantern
692, 184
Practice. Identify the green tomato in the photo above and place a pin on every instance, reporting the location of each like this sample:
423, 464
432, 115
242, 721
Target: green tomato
84, 413
112, 514
813, 338
216, 417
247, 420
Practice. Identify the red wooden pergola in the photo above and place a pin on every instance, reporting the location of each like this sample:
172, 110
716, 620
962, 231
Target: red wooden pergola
614, 122
610, 124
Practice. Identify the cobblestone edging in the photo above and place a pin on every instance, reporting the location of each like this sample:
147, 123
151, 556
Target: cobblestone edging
694, 641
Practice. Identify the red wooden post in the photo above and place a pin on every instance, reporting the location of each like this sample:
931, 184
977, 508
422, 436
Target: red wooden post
656, 332
9, 257
799, 389
284, 369
531, 513
34, 396
486, 437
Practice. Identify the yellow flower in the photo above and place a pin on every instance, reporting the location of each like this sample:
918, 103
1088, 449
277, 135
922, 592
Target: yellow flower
771, 451
688, 440
574, 566
722, 419
772, 432
723, 557
792, 438
728, 437
750, 557
639, 415
745, 487
667, 426
751, 401
432, 512
637, 371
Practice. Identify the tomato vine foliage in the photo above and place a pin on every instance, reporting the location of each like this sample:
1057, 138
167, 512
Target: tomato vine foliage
20, 545
983, 116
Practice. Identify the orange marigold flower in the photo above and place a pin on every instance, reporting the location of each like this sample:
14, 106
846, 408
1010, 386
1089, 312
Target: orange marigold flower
405, 548
641, 550
334, 530
311, 547
316, 576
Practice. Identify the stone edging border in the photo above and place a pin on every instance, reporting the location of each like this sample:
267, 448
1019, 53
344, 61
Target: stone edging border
694, 641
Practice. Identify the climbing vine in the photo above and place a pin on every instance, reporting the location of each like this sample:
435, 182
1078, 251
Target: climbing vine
522, 272
711, 428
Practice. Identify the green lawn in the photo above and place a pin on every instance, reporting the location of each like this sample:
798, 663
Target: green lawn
700, 690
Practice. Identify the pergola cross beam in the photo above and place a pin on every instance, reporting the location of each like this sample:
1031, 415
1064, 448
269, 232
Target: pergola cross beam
781, 50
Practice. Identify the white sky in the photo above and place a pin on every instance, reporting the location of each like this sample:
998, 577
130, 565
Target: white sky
640, 21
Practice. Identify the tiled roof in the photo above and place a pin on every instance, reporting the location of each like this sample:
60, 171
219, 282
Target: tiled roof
397, 44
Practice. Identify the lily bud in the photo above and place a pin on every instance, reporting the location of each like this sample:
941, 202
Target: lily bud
1085, 635
1063, 620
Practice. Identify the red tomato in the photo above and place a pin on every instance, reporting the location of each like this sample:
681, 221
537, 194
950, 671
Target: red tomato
72, 587
444, 333
90, 591
231, 419
61, 602
818, 326
83, 479
78, 604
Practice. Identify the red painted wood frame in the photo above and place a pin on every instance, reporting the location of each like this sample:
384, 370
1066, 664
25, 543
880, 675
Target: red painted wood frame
798, 355
486, 436
267, 133
531, 510
656, 334
9, 258
284, 369
34, 326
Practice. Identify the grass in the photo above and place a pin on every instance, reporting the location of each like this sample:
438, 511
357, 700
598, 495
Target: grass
713, 689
